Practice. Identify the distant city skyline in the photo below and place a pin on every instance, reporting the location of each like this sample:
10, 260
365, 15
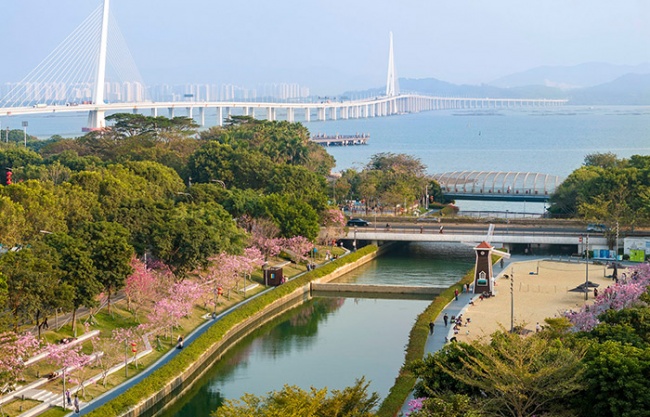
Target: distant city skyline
333, 46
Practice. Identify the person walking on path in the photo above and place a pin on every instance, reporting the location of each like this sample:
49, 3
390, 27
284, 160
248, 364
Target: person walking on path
446, 319
180, 342
76, 403
456, 294
431, 326
68, 397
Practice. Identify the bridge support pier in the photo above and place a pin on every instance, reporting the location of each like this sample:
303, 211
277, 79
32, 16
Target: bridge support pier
201, 116
154, 112
96, 119
219, 116
171, 112
190, 112
307, 115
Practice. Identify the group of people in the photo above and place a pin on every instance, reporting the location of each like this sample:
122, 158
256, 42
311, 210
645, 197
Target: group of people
68, 399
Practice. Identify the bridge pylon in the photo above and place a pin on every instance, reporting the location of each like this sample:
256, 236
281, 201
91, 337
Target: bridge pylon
392, 87
96, 117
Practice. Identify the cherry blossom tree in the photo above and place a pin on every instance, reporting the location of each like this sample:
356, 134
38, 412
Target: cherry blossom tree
264, 237
615, 297
177, 304
141, 286
334, 225
72, 361
298, 245
14, 351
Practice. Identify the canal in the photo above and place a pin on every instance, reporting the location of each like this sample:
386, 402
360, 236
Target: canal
330, 342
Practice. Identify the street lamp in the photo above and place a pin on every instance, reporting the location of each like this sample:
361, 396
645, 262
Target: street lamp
25, 124
587, 267
512, 300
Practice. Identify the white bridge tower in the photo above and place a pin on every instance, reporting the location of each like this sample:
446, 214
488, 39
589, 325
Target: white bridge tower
96, 117
392, 88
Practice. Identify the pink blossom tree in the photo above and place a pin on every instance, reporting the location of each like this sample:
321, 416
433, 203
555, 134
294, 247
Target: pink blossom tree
14, 351
616, 297
177, 304
299, 246
334, 225
264, 237
141, 286
72, 361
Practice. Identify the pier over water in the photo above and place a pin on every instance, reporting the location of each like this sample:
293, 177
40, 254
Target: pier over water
341, 140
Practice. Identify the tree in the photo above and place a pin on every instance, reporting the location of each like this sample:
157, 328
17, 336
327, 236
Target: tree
520, 376
616, 379
293, 216
292, 401
192, 233
15, 349
140, 287
110, 252
34, 286
78, 271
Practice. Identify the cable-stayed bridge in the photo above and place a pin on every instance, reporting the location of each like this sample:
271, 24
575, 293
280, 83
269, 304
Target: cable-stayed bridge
75, 77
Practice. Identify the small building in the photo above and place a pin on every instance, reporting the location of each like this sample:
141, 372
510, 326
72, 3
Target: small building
273, 276
637, 248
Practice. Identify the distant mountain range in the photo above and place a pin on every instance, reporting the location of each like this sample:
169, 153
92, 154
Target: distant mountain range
569, 77
602, 84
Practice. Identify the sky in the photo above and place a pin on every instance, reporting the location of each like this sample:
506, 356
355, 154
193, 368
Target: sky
336, 45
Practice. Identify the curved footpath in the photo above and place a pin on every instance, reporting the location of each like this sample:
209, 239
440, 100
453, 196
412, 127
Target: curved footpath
199, 331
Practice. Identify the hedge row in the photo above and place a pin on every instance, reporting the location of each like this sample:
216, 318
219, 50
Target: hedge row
405, 381
162, 376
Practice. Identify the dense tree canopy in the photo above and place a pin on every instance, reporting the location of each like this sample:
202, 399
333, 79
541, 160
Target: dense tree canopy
607, 190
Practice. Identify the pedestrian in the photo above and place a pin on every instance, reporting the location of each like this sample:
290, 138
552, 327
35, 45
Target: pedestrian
595, 292
179, 345
467, 287
446, 319
441, 228
431, 326
68, 397
456, 294
76, 403
537, 328
501, 263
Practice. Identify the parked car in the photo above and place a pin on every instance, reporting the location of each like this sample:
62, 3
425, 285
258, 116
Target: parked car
358, 222
596, 228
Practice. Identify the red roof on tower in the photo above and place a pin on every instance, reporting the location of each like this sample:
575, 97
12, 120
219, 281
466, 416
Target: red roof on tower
484, 245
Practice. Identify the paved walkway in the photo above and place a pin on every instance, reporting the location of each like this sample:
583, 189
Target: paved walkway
441, 334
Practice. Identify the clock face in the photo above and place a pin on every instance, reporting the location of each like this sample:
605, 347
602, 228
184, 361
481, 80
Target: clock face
482, 253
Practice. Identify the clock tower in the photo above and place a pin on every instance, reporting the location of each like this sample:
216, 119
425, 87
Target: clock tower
483, 270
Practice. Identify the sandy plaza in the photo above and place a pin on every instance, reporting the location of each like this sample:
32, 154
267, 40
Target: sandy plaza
541, 289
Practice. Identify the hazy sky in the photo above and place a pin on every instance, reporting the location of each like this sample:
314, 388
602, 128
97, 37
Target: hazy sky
334, 45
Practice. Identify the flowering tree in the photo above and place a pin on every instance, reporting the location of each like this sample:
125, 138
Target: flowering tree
72, 361
334, 222
177, 304
141, 286
616, 297
298, 245
14, 350
264, 237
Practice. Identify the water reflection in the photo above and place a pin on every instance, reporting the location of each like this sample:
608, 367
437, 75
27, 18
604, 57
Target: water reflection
330, 342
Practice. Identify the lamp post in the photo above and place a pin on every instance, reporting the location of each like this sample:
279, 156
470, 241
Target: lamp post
587, 266
25, 124
512, 301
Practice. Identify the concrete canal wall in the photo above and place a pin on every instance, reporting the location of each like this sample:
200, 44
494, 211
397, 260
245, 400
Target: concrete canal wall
181, 384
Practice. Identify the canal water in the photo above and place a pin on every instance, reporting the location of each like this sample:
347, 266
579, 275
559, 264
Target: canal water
330, 342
